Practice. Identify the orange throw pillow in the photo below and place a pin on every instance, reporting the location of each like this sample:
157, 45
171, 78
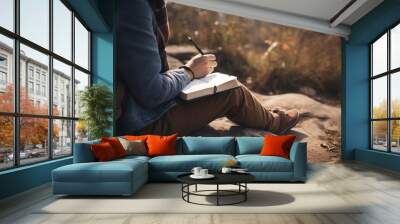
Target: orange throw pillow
103, 152
277, 145
161, 145
116, 145
135, 137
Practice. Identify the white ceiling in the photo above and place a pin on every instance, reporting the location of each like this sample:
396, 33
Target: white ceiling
315, 15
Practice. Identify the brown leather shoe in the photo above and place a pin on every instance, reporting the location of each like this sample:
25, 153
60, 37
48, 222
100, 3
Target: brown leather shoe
287, 120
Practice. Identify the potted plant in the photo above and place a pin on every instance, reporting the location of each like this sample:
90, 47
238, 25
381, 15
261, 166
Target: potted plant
96, 104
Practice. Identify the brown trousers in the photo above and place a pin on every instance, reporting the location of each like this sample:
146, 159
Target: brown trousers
238, 105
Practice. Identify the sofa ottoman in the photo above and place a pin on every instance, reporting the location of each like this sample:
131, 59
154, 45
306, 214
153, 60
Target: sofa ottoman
118, 177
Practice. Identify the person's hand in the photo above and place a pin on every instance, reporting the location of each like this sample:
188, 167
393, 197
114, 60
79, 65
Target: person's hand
202, 65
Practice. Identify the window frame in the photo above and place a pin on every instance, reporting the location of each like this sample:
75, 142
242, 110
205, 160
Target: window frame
16, 115
388, 74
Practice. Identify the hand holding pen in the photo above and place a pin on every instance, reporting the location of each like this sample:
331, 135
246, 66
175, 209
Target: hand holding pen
201, 64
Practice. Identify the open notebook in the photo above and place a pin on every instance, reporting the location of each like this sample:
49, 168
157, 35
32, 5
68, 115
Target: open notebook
209, 85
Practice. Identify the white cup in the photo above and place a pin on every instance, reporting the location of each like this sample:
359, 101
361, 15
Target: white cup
196, 171
203, 172
226, 170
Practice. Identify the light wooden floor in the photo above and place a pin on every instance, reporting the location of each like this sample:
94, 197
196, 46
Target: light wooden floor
379, 189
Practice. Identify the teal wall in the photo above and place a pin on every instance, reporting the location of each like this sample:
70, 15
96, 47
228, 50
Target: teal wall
102, 59
355, 105
91, 13
98, 15
103, 47
381, 159
103, 50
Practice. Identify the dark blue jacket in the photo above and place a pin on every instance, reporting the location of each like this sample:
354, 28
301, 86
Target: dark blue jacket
149, 93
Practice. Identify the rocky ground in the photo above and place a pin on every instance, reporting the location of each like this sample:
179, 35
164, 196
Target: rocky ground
319, 123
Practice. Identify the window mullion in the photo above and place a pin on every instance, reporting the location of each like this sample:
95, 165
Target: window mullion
50, 81
73, 83
389, 112
16, 70
89, 54
371, 137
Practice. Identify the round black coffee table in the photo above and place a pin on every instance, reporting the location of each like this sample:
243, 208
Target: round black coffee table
238, 179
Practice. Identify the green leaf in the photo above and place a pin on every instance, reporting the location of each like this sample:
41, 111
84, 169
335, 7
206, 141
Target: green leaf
96, 102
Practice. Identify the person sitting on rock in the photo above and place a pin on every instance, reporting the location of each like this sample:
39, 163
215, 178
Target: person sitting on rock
147, 89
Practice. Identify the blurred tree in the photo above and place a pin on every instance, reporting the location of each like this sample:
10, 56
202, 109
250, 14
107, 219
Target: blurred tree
33, 130
379, 128
268, 58
396, 123
396, 108
6, 132
6, 122
81, 129
380, 111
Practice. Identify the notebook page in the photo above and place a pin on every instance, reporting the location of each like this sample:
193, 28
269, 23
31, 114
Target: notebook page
217, 78
196, 85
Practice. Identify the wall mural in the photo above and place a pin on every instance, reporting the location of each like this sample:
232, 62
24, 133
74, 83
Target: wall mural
284, 68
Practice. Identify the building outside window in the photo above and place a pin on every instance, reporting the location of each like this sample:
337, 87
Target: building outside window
3, 72
44, 77
3, 78
30, 87
38, 89
385, 91
37, 75
43, 90
30, 72
57, 123
3, 61
55, 97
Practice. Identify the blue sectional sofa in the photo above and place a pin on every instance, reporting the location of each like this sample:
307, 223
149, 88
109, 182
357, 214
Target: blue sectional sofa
125, 176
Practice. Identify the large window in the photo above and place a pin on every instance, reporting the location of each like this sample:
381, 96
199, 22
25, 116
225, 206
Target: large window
44, 64
385, 91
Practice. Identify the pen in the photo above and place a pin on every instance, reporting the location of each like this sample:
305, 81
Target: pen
195, 45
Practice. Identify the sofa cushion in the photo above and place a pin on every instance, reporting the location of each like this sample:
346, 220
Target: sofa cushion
112, 171
135, 137
103, 152
185, 163
207, 145
161, 145
257, 163
134, 147
277, 145
249, 145
83, 152
116, 145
